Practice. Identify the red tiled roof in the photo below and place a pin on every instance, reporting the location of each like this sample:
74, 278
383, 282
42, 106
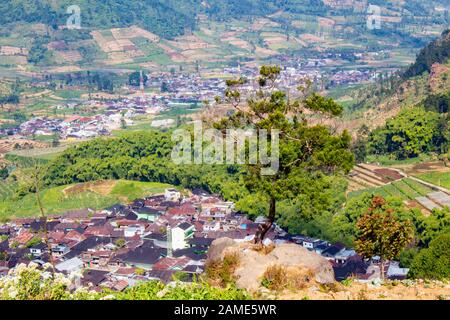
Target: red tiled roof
24, 237
125, 271
99, 231
185, 209
120, 285
170, 263
56, 235
74, 235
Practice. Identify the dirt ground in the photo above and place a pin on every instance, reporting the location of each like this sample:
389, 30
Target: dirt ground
419, 290
101, 187
425, 167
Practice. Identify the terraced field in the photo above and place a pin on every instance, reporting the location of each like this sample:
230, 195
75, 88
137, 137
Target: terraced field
365, 176
412, 192
405, 189
89, 195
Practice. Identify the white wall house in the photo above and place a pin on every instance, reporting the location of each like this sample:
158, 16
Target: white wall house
180, 234
131, 231
172, 195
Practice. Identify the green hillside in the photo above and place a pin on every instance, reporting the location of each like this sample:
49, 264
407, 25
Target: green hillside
167, 18
224, 31
437, 51
95, 195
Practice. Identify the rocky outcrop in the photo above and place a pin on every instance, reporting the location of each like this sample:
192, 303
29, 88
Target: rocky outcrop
253, 263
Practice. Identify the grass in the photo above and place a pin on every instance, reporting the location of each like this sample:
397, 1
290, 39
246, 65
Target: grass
70, 94
418, 187
405, 189
56, 201
136, 189
27, 157
275, 278
179, 110
7, 189
441, 179
221, 272
385, 160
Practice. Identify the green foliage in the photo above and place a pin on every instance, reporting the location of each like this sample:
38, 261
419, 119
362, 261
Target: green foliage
429, 228
153, 290
434, 262
411, 133
221, 272
347, 282
29, 283
304, 150
39, 53
32, 284
407, 257
23, 203
438, 178
11, 98
120, 243
437, 51
4, 173
165, 18
437, 102
33, 242
311, 212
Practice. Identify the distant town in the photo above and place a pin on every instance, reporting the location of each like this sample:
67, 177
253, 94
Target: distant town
190, 91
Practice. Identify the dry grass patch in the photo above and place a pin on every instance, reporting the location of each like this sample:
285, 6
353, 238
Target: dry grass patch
279, 278
103, 187
221, 272
265, 250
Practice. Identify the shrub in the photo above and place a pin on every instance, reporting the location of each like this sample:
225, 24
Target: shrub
154, 290
30, 283
275, 278
221, 272
434, 262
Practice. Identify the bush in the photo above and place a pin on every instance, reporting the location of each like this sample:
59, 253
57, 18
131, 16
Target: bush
154, 290
278, 278
221, 272
30, 283
434, 262
275, 278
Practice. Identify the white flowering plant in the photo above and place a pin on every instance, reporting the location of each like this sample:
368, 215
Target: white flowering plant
31, 283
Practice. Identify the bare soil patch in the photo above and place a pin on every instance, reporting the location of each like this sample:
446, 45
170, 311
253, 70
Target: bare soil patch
102, 187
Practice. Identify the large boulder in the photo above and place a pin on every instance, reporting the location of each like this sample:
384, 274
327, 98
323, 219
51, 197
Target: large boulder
253, 262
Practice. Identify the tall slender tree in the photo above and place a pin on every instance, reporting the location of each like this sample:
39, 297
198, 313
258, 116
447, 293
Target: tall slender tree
307, 150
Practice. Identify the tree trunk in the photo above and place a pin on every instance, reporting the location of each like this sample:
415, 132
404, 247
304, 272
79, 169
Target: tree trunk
382, 269
265, 227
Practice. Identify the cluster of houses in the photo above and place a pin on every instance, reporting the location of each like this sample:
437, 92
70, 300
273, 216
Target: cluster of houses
161, 237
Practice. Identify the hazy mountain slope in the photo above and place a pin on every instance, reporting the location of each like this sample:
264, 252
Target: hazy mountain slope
169, 18
437, 51
163, 17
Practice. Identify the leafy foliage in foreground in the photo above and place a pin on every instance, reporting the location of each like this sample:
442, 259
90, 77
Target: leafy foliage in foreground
30, 283
196, 291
